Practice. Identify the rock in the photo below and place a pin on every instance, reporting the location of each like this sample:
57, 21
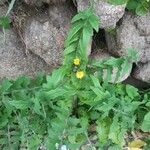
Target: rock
100, 55
134, 32
14, 62
142, 72
3, 9
46, 37
2, 2
108, 14
39, 3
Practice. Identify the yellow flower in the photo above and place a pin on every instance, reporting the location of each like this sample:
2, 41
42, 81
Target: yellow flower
76, 61
80, 74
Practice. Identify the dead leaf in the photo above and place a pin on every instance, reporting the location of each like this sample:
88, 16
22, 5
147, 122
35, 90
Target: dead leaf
134, 148
136, 144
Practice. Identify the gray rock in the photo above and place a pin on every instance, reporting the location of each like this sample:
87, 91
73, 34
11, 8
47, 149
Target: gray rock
108, 14
3, 9
142, 72
39, 3
2, 2
100, 55
134, 32
14, 62
46, 38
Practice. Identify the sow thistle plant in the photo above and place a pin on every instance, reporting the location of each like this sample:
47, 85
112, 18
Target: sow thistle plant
74, 107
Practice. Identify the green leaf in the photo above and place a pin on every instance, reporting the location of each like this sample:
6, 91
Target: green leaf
88, 12
117, 74
34, 142
9, 108
146, 123
132, 4
4, 22
54, 79
94, 21
72, 138
79, 16
117, 2
37, 106
142, 8
39, 79
72, 121
114, 62
3, 121
114, 147
59, 92
108, 75
57, 76
84, 122
132, 55
6, 84
23, 122
21, 104
131, 91
95, 81
125, 67
98, 92
84, 42
102, 129
3, 141
106, 107
69, 49
21, 83
94, 115
115, 133
52, 94
75, 30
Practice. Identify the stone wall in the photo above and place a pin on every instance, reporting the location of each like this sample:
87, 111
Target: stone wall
39, 27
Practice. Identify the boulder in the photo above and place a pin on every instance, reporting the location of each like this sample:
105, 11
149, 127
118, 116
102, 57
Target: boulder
103, 54
142, 72
134, 32
44, 34
108, 14
13, 60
